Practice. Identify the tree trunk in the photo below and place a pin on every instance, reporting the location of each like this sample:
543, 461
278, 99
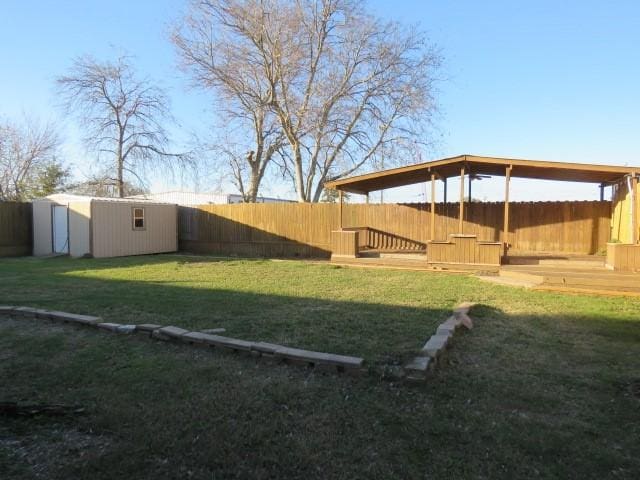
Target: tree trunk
120, 180
302, 195
120, 174
254, 183
318, 193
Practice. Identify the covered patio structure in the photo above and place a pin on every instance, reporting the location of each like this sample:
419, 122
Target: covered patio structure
462, 248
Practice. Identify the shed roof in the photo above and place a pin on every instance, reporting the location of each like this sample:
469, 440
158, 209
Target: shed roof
71, 198
476, 165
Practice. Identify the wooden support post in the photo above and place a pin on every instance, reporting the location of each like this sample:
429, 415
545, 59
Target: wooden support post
367, 198
341, 196
469, 195
602, 192
461, 211
505, 231
445, 189
634, 208
433, 206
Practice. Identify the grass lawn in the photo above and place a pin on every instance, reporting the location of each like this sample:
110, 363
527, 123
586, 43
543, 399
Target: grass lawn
546, 386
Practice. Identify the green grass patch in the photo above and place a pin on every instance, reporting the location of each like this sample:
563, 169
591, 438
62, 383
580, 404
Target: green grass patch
545, 386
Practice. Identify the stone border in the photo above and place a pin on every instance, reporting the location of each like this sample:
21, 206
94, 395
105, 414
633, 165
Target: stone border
320, 360
432, 352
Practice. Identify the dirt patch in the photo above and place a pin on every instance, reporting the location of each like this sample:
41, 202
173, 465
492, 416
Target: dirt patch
44, 451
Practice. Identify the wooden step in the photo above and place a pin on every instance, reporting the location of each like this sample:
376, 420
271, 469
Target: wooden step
604, 283
419, 257
571, 260
529, 277
413, 265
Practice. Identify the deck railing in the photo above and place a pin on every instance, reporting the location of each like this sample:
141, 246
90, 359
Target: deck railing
374, 239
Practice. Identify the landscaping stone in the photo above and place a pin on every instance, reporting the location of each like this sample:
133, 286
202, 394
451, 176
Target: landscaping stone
296, 354
264, 347
454, 320
169, 333
147, 327
126, 329
57, 316
198, 338
75, 318
448, 327
465, 320
435, 346
230, 343
269, 351
418, 367
112, 327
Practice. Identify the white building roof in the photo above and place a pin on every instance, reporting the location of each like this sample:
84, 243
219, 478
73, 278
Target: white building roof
71, 198
185, 198
193, 198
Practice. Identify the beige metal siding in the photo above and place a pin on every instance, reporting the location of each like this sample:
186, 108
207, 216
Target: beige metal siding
114, 236
79, 223
42, 241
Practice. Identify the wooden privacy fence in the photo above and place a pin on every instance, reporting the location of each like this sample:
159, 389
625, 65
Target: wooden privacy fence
288, 229
15, 229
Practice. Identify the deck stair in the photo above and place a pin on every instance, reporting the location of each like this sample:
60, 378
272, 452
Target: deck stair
374, 258
577, 273
557, 261
580, 273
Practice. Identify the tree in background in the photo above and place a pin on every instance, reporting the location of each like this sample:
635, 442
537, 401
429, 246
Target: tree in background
52, 178
242, 94
104, 186
332, 196
341, 83
28, 164
123, 116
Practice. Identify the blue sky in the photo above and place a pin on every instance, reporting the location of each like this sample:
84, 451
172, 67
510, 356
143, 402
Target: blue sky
550, 80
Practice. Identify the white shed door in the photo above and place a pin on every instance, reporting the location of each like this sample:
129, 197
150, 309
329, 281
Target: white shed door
60, 229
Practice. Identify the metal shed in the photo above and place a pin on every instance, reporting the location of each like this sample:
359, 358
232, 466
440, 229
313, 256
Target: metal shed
103, 227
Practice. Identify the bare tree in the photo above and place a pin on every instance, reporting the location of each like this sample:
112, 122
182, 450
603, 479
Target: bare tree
27, 157
342, 84
103, 186
124, 117
242, 95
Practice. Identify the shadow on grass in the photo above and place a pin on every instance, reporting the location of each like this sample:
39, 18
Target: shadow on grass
540, 395
521, 397
380, 332
294, 315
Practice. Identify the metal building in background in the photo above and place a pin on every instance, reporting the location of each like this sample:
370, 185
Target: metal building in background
103, 227
192, 198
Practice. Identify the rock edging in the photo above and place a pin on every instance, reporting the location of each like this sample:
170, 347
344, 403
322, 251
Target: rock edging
418, 368
322, 361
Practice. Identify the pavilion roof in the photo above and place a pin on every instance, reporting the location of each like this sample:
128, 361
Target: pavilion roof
476, 165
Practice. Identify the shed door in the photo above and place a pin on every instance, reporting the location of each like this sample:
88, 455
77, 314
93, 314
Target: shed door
60, 229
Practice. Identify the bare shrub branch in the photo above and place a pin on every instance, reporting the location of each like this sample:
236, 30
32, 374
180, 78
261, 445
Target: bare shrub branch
26, 152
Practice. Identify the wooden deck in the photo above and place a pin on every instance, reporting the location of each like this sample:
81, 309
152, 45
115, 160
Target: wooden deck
568, 273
